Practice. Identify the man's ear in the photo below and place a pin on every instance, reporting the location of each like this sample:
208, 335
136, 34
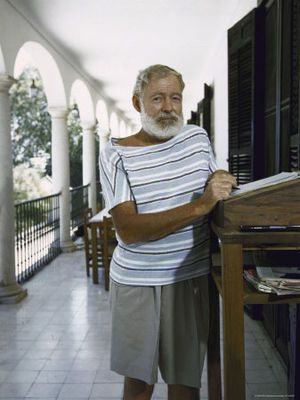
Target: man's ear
136, 103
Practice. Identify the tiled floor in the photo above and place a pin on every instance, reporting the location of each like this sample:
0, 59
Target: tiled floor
55, 344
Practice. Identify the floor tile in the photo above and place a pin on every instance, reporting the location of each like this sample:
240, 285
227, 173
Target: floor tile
30, 365
51, 377
87, 364
14, 390
58, 365
75, 391
105, 375
44, 390
3, 375
37, 354
260, 376
63, 354
8, 365
81, 377
19, 376
109, 390
258, 390
11, 354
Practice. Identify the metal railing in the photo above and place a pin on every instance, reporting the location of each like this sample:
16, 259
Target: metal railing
37, 240
100, 200
79, 202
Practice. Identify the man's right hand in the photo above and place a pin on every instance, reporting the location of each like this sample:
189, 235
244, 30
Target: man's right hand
219, 186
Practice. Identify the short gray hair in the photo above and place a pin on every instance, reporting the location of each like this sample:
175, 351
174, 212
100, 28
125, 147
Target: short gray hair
157, 71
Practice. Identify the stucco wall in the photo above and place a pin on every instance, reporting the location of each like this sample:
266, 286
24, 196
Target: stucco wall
215, 73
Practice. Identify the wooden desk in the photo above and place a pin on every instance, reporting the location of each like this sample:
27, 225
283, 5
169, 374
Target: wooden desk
235, 293
96, 225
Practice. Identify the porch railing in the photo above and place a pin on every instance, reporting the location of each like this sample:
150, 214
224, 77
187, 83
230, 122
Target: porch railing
100, 200
79, 202
37, 240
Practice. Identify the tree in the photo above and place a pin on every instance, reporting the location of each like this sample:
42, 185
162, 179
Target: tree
31, 122
31, 130
29, 183
75, 147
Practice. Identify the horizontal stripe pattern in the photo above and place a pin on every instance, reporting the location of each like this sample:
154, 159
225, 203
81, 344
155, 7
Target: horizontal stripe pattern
158, 178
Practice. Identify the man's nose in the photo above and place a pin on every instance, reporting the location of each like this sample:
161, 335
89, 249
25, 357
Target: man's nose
167, 105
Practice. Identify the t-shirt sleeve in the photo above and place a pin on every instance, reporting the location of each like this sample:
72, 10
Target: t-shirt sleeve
212, 160
212, 164
114, 180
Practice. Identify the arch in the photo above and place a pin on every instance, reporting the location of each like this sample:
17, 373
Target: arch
123, 131
32, 53
130, 130
81, 95
114, 125
2, 64
102, 115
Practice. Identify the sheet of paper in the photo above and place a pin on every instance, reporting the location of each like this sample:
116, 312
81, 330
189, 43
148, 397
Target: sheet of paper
272, 180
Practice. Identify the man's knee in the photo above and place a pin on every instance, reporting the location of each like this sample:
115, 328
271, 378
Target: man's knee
135, 388
179, 392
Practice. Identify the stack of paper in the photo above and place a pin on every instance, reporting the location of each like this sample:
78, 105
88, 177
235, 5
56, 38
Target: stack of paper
272, 180
280, 286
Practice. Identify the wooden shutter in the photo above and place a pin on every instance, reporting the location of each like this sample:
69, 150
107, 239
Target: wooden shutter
245, 80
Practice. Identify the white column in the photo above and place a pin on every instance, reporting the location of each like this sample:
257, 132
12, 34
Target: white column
61, 173
10, 290
89, 162
104, 135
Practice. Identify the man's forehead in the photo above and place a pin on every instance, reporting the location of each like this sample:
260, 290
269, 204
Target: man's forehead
159, 83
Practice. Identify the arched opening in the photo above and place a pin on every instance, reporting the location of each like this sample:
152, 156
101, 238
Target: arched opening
75, 144
50, 214
41, 82
123, 131
103, 130
130, 130
81, 96
34, 54
102, 116
2, 64
31, 136
114, 125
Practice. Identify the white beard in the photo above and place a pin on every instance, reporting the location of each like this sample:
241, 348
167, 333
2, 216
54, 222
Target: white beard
165, 126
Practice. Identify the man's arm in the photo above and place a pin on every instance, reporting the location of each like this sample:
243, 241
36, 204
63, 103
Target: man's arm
134, 227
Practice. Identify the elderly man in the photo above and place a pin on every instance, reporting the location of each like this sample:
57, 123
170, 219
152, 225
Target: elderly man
160, 184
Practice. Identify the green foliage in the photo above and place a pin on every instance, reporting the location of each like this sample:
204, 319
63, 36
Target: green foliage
31, 130
29, 183
75, 148
31, 122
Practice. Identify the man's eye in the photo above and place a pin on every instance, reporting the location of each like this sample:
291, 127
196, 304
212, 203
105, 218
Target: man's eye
177, 98
156, 99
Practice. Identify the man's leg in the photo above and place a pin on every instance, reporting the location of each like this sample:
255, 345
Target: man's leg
180, 392
135, 389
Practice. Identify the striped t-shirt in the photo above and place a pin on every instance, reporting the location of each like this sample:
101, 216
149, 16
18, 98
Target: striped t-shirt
157, 178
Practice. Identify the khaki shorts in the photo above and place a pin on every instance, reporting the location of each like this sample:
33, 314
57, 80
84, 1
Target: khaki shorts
160, 326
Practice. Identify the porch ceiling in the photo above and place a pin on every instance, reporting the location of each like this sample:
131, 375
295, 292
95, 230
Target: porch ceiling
112, 40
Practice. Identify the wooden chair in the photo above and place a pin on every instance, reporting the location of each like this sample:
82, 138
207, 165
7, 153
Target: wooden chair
87, 215
109, 243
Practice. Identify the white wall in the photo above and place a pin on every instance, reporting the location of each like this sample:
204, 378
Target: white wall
215, 74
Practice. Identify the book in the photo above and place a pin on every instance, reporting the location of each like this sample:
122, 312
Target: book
262, 183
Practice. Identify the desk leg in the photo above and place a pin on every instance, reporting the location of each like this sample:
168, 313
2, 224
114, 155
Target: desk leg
233, 322
94, 253
213, 345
